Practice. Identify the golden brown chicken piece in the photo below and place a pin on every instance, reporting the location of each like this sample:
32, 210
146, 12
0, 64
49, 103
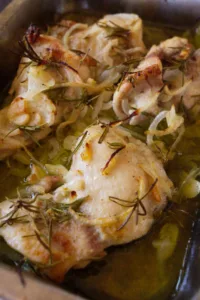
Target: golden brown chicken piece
110, 196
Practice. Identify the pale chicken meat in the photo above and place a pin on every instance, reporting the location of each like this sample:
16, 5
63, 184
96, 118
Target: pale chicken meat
176, 55
158, 82
182, 82
95, 174
176, 48
120, 186
72, 243
112, 40
32, 108
139, 91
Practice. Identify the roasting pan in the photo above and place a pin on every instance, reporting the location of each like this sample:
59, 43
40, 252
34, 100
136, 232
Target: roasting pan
13, 20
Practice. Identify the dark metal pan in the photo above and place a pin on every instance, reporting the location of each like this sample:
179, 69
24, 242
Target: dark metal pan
13, 20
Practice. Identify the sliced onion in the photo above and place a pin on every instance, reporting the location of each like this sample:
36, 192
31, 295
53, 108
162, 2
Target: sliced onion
174, 121
176, 91
177, 141
73, 117
190, 187
167, 241
100, 105
107, 106
69, 142
77, 26
161, 116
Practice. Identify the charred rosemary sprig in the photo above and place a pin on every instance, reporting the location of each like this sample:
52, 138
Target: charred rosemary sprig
119, 122
113, 124
118, 149
85, 100
136, 204
114, 30
29, 52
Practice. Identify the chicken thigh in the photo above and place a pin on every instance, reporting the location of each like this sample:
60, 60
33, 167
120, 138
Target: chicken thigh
110, 196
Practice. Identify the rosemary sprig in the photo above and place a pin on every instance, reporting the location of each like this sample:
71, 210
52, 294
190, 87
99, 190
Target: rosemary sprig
111, 157
105, 132
19, 203
85, 100
115, 145
42, 242
17, 220
69, 162
33, 159
119, 122
32, 138
45, 213
52, 213
115, 123
31, 128
114, 30
30, 53
136, 205
86, 57
26, 129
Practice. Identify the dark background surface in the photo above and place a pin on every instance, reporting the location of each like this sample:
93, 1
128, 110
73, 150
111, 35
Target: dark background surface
3, 3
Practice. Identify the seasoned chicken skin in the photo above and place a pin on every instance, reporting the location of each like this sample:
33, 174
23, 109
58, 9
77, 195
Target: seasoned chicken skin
122, 185
158, 82
139, 91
